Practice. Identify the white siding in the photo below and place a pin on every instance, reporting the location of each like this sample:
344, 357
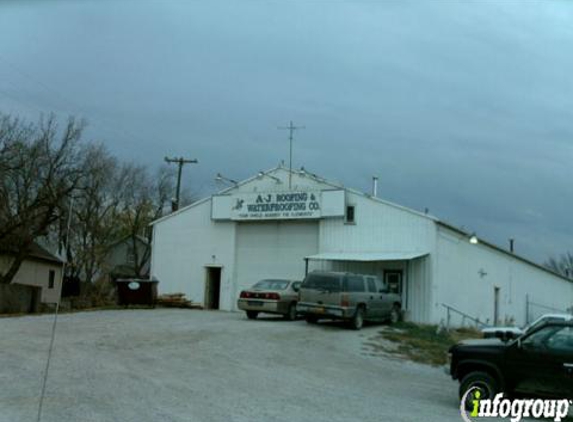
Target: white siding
466, 274
184, 245
273, 250
379, 227
34, 272
419, 289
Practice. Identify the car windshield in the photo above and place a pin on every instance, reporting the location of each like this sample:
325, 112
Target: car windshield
322, 282
272, 284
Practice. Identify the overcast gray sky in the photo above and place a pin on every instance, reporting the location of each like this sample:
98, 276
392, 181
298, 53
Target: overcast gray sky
464, 107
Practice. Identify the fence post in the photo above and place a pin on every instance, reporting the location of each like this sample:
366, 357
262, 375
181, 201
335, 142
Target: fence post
526, 308
448, 319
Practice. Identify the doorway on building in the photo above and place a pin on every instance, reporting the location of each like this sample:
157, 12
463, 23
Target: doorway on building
213, 288
393, 279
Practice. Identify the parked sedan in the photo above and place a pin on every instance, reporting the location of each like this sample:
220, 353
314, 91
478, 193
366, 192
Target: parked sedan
272, 297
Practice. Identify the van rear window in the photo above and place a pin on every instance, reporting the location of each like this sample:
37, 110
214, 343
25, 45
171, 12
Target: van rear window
322, 282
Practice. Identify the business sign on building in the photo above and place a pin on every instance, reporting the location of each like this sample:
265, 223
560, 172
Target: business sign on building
276, 205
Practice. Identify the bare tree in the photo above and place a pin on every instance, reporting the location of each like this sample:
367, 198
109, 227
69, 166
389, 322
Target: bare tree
562, 265
38, 172
95, 204
142, 199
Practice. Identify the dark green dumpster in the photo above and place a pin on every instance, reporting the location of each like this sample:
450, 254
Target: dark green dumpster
136, 291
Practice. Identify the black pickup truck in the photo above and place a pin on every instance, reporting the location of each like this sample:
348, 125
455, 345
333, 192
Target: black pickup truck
539, 363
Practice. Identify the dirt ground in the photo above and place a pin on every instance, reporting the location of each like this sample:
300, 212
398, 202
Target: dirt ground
189, 365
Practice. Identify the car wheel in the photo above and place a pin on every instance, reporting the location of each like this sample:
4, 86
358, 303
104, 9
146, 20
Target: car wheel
291, 314
252, 314
395, 314
477, 382
311, 319
357, 321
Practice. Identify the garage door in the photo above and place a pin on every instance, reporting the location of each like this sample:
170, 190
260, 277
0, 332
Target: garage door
273, 250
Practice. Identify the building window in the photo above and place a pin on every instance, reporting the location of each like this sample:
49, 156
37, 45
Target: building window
349, 218
130, 256
51, 279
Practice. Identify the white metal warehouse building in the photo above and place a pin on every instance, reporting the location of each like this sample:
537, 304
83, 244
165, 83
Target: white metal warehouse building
260, 228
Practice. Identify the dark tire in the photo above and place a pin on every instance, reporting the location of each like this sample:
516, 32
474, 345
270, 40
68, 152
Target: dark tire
395, 314
291, 313
357, 321
483, 382
311, 319
252, 314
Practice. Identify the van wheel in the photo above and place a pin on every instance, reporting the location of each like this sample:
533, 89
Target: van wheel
478, 381
395, 314
311, 319
357, 321
291, 314
252, 314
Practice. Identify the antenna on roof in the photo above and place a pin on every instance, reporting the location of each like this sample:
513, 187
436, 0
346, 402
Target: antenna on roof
291, 128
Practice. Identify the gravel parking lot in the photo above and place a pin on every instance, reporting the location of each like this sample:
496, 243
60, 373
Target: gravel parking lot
181, 365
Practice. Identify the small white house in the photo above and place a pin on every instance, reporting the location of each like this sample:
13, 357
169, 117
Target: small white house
282, 224
40, 269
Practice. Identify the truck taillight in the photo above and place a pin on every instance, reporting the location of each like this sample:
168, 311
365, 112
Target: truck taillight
344, 301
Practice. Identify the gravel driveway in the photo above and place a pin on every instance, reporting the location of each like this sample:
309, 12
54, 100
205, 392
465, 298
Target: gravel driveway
181, 365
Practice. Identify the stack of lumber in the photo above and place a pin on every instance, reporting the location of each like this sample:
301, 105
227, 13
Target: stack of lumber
174, 300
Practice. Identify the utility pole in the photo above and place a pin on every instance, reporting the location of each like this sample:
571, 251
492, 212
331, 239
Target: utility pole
291, 128
180, 162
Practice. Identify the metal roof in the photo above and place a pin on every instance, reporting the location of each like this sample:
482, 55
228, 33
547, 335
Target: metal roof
366, 256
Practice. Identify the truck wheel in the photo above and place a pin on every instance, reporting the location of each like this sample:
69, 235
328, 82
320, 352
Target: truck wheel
291, 314
252, 314
481, 382
395, 314
357, 320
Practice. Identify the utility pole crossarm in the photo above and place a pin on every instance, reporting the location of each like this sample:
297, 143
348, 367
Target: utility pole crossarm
180, 162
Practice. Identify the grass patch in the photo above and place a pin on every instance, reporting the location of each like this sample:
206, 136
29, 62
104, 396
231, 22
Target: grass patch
420, 343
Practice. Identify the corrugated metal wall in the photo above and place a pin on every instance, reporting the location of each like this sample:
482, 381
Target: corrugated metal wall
379, 228
273, 249
466, 276
182, 248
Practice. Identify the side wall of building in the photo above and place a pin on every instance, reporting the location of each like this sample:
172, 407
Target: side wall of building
37, 273
185, 246
468, 276
121, 255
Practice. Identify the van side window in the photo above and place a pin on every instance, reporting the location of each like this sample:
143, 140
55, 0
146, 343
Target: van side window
371, 285
353, 283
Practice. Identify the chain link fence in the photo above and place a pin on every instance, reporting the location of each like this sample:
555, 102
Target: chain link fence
534, 310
